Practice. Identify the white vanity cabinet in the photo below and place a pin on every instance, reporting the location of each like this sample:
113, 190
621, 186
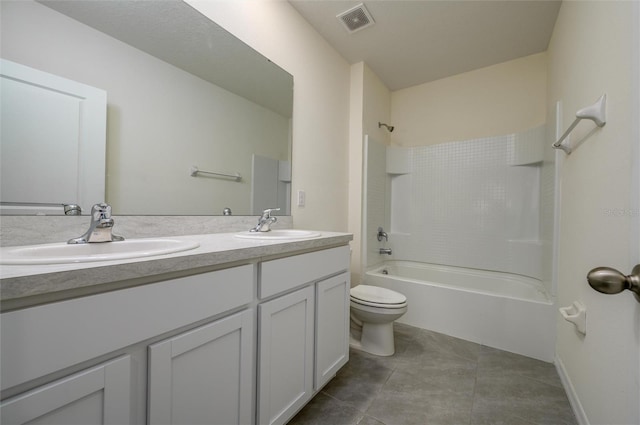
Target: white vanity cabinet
204, 376
303, 329
241, 345
51, 339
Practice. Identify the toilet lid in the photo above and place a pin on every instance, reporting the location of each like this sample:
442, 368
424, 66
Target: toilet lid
375, 294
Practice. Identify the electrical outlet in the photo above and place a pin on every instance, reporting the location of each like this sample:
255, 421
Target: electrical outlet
302, 198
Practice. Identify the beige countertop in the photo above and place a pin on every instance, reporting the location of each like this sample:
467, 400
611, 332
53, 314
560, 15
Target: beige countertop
28, 285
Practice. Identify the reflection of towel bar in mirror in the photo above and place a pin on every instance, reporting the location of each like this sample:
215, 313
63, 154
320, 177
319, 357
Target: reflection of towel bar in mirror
194, 171
595, 113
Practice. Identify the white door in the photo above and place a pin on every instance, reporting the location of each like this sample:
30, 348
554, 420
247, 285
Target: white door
600, 215
204, 376
100, 395
53, 140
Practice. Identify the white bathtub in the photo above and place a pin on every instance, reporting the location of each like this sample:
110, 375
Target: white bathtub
500, 310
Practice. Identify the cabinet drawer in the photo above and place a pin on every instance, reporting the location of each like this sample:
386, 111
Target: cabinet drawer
284, 274
40, 340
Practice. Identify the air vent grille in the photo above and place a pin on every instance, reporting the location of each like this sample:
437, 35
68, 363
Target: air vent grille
356, 18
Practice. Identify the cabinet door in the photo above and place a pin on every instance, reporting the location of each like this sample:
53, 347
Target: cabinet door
100, 395
204, 376
285, 376
332, 327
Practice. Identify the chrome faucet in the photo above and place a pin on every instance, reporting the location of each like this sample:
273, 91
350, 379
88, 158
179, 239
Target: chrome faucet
265, 221
382, 234
100, 227
385, 251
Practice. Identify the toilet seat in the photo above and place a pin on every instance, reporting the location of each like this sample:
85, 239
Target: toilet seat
375, 296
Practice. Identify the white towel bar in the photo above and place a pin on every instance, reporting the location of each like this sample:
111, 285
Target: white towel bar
194, 171
595, 113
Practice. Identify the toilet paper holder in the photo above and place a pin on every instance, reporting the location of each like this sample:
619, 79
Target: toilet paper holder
576, 313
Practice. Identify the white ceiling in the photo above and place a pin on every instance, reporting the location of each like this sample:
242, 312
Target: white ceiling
174, 32
417, 41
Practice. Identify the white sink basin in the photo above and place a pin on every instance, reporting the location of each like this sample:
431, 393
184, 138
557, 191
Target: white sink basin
59, 253
283, 234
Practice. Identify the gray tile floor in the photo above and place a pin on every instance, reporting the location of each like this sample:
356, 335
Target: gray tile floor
436, 379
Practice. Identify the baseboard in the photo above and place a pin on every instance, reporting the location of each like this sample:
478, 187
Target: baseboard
578, 410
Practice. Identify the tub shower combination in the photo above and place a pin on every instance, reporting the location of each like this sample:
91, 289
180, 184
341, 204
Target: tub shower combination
470, 226
500, 310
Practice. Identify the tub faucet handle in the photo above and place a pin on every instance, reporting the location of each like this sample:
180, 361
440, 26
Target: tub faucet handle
382, 234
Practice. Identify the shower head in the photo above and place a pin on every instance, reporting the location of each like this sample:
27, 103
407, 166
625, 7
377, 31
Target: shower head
389, 127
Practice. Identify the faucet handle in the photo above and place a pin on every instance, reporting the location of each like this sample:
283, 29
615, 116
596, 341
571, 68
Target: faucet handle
265, 221
267, 213
100, 227
382, 234
101, 211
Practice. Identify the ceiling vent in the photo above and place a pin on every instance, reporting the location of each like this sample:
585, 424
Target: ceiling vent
356, 18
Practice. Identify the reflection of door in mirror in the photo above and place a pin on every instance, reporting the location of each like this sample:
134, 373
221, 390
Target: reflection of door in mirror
52, 145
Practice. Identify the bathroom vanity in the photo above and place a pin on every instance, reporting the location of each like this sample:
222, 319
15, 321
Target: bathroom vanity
236, 331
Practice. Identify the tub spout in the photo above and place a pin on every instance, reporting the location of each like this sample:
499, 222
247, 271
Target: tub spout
385, 251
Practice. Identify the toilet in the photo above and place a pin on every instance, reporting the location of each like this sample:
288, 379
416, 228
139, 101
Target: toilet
373, 311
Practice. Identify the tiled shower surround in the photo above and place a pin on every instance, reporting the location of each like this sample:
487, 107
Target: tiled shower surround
481, 203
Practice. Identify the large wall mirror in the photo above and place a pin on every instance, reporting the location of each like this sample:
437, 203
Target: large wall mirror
181, 92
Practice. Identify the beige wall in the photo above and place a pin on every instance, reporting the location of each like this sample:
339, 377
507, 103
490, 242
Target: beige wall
501, 99
370, 104
594, 50
321, 102
376, 107
356, 131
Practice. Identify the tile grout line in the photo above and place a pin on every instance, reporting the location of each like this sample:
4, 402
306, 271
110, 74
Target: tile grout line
475, 386
345, 403
393, 369
379, 390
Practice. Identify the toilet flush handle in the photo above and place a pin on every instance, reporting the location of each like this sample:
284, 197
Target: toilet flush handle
611, 281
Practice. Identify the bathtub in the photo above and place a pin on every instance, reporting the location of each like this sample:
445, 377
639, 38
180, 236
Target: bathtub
500, 310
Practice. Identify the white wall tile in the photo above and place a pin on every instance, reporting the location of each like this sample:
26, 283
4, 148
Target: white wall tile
465, 204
